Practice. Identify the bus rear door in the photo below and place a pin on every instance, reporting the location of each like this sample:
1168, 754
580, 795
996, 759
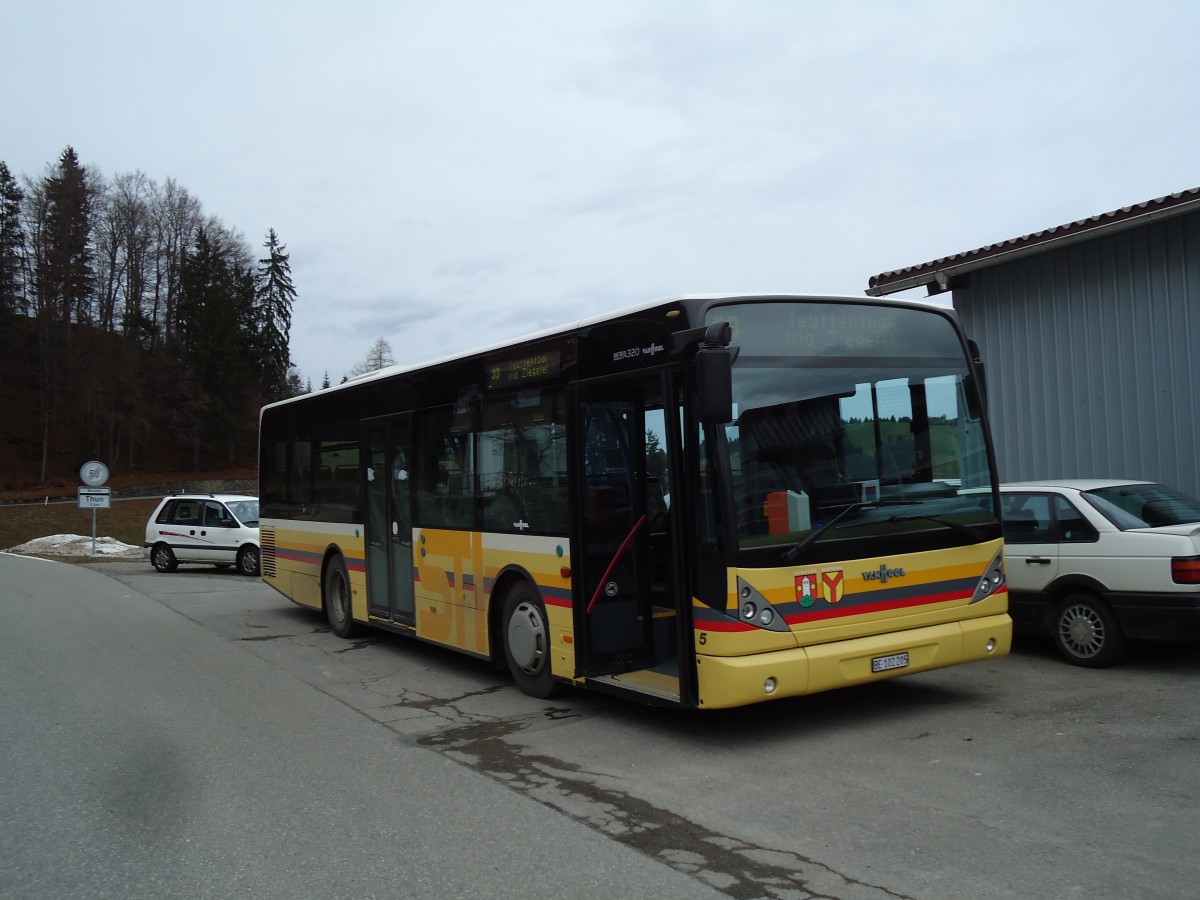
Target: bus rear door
388, 520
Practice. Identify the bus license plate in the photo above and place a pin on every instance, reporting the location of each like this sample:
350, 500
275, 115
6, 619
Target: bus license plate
887, 663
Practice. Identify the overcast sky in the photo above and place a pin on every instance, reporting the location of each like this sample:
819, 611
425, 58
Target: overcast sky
451, 174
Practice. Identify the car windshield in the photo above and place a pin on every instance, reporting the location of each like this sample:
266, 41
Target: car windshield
1144, 505
245, 510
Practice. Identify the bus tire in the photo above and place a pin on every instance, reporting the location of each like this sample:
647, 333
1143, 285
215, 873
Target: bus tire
1086, 632
526, 634
163, 559
337, 599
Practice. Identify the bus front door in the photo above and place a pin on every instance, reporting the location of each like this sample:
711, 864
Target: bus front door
388, 521
623, 548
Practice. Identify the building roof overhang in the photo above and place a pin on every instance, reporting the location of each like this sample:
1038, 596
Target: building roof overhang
938, 275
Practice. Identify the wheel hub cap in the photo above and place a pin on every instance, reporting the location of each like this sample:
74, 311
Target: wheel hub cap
527, 638
1083, 632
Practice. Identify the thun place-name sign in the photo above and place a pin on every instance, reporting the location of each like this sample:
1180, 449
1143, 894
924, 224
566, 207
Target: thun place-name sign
95, 498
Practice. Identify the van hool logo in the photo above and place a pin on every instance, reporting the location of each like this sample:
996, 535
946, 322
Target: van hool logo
883, 573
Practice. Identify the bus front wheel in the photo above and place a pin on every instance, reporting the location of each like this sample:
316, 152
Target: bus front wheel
527, 642
337, 600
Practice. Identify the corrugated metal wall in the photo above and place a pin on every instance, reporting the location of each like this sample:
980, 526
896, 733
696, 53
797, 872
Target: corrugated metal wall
1092, 356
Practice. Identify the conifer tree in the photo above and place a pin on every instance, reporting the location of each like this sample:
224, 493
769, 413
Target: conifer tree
64, 265
296, 387
12, 243
213, 305
57, 212
274, 295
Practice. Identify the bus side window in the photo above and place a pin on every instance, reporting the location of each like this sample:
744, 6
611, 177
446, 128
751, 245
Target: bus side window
444, 485
523, 462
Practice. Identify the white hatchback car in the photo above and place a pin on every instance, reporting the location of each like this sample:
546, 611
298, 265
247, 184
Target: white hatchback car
220, 529
1094, 562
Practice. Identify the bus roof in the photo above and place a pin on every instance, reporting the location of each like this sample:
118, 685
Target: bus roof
589, 321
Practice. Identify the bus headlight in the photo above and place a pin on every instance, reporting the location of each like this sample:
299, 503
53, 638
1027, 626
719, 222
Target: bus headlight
763, 617
755, 609
992, 580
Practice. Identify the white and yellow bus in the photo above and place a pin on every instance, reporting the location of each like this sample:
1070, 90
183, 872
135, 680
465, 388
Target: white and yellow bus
703, 501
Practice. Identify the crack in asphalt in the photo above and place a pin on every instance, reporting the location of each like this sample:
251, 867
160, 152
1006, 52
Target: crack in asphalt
358, 645
738, 869
432, 704
267, 637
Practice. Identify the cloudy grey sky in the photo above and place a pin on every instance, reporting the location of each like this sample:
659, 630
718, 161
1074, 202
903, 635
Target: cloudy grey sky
450, 174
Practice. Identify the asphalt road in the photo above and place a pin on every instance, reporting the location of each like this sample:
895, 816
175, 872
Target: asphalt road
147, 753
195, 734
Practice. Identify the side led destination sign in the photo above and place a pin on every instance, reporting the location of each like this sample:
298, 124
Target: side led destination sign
523, 369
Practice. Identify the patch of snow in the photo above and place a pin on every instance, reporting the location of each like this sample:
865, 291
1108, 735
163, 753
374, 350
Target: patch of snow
78, 545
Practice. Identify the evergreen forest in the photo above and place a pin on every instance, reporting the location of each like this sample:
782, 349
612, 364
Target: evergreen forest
134, 329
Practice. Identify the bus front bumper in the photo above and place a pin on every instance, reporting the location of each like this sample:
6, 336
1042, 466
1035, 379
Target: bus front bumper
727, 681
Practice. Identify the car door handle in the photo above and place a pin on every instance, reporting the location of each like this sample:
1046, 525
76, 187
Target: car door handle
1037, 561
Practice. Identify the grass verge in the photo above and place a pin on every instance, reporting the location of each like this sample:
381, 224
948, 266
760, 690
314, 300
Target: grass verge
125, 521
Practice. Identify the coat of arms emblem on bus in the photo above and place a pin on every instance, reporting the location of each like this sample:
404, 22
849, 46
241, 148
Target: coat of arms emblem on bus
832, 585
807, 587
828, 586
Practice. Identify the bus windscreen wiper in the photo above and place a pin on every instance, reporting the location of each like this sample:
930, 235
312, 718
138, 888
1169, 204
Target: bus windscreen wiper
796, 549
969, 530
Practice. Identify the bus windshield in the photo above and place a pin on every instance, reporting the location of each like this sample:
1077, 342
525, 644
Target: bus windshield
852, 420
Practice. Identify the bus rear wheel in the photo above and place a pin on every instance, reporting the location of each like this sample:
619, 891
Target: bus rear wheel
526, 633
337, 600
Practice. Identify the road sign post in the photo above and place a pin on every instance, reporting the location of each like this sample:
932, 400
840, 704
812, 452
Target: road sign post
92, 496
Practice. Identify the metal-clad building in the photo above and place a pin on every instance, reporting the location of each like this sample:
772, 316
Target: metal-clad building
1091, 337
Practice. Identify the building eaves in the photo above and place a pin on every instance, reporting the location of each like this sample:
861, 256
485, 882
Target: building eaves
937, 275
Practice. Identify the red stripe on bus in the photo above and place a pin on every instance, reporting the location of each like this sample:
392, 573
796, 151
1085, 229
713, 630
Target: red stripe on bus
834, 612
722, 625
